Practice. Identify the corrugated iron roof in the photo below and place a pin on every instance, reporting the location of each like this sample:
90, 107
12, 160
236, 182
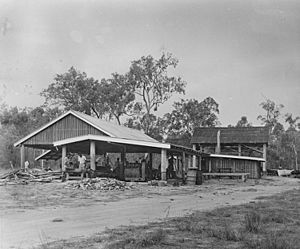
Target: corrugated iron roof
115, 130
109, 128
231, 135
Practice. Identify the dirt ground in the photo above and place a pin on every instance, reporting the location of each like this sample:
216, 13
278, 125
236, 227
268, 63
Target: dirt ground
37, 213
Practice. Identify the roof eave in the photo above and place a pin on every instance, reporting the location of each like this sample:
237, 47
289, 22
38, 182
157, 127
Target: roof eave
112, 140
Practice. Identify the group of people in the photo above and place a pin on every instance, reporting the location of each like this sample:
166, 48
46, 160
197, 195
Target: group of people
68, 162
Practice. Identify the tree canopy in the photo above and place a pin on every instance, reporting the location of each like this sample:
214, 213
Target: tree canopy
190, 113
153, 86
74, 90
243, 122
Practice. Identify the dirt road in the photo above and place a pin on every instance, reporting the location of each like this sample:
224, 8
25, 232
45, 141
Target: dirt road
26, 228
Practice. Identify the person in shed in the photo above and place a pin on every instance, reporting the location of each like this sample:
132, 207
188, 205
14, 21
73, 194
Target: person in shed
82, 162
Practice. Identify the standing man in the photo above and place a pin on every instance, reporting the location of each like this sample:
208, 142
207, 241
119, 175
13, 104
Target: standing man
82, 160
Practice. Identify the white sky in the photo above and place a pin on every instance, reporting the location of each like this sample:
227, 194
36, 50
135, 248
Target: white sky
237, 52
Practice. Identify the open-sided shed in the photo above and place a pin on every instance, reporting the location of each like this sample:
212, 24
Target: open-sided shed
81, 133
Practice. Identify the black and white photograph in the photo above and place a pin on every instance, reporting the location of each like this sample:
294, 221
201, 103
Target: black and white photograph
132, 124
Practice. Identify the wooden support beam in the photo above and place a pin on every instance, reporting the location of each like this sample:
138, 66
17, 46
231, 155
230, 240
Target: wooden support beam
22, 152
42, 161
218, 147
199, 163
123, 163
63, 156
183, 166
240, 150
93, 154
189, 161
151, 166
164, 164
194, 157
265, 157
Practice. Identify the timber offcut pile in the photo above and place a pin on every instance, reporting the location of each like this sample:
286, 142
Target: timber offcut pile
103, 184
19, 176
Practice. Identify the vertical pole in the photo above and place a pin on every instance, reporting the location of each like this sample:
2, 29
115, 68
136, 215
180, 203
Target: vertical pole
209, 165
123, 164
63, 155
194, 157
218, 147
200, 160
93, 154
189, 161
183, 166
150, 166
42, 161
22, 151
164, 164
265, 157
240, 149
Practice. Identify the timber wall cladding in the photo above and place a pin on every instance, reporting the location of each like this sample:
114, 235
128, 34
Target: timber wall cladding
237, 166
68, 127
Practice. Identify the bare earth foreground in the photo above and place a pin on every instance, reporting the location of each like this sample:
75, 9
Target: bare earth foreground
37, 213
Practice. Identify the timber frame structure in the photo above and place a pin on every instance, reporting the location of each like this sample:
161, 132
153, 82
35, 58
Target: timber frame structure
248, 142
76, 132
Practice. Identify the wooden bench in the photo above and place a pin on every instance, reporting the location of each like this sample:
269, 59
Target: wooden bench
243, 176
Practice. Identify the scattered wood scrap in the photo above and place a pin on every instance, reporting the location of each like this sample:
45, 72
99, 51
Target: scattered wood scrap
104, 184
19, 176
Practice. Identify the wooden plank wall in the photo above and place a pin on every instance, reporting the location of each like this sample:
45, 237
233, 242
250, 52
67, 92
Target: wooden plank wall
68, 127
237, 166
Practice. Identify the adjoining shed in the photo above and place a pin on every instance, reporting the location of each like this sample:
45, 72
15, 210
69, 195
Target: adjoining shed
244, 142
75, 132
215, 163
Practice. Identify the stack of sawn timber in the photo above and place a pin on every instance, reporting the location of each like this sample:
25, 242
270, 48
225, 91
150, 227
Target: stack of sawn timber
19, 176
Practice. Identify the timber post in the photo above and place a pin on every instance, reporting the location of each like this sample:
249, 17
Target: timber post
189, 161
218, 147
42, 161
93, 154
194, 158
199, 163
123, 163
183, 166
22, 151
265, 157
63, 156
150, 166
164, 164
240, 149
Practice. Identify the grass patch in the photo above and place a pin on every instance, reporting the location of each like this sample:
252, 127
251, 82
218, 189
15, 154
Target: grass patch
271, 224
252, 221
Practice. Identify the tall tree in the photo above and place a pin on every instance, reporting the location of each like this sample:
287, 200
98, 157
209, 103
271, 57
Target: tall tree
152, 85
293, 136
74, 90
189, 114
117, 96
272, 115
243, 122
17, 123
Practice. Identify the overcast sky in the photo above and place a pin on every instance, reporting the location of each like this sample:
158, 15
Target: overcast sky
238, 52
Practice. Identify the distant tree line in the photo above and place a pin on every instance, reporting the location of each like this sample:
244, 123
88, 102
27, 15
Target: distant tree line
133, 99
